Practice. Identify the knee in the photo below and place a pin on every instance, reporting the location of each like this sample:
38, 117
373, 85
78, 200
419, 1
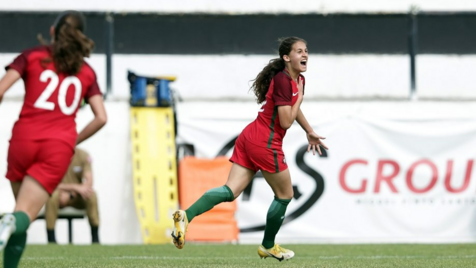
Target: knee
93, 198
63, 199
291, 194
286, 195
231, 194
235, 196
92, 201
53, 200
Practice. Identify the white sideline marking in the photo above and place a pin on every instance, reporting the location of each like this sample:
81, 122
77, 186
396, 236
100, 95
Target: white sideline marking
376, 257
318, 257
43, 258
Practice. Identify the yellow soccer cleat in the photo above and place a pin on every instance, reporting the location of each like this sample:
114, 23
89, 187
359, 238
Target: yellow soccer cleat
276, 252
180, 228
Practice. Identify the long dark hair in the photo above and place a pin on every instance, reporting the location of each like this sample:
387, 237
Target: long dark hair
70, 44
263, 79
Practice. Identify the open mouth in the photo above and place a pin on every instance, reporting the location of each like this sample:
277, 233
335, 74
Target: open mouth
304, 63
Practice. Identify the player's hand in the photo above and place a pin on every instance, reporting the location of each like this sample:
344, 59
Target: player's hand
85, 191
315, 142
300, 86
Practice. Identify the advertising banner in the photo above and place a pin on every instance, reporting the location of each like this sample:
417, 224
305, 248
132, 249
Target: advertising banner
382, 179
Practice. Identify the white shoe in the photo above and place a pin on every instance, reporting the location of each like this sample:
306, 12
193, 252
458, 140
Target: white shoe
7, 228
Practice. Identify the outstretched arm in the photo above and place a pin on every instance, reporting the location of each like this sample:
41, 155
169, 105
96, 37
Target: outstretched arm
313, 139
7, 81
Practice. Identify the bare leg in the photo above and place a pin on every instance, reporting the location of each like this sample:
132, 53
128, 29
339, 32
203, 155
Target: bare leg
51, 215
238, 179
280, 183
31, 197
15, 188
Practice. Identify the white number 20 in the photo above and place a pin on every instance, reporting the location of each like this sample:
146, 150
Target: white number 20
42, 101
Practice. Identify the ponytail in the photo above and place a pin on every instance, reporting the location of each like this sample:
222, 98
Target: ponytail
263, 80
70, 48
70, 45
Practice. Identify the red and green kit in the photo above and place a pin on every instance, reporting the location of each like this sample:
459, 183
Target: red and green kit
259, 146
44, 136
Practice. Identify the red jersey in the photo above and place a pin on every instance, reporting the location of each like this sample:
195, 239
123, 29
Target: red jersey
51, 99
265, 130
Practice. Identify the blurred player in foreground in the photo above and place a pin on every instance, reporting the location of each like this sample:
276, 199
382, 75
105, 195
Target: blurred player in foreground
279, 87
43, 139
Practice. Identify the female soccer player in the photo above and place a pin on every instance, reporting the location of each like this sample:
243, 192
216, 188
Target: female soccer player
43, 139
279, 87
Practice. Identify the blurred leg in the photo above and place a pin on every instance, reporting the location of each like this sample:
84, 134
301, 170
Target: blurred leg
14, 250
91, 206
7, 222
92, 209
30, 197
15, 188
51, 215
93, 216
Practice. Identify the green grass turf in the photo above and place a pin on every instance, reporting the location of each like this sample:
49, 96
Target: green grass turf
193, 255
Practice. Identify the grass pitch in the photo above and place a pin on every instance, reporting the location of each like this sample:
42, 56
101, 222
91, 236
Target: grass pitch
193, 255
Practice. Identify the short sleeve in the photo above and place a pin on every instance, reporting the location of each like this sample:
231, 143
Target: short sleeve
19, 64
283, 91
93, 89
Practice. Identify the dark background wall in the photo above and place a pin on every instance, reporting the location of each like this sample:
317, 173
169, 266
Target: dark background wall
453, 33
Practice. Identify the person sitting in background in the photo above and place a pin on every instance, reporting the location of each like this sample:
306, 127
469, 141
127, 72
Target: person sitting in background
75, 190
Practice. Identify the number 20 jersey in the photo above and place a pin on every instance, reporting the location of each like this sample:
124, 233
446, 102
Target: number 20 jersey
51, 99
